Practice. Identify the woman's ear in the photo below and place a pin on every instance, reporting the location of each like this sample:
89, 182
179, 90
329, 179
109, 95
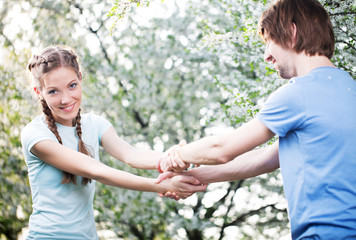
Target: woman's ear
38, 92
80, 76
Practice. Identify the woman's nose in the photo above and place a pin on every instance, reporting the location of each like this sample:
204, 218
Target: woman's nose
66, 97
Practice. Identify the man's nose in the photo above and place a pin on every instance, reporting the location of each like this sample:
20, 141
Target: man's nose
267, 56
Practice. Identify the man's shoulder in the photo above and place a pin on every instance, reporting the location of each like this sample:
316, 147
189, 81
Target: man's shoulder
328, 72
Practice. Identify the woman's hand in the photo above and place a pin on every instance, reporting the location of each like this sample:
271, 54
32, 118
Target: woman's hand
180, 185
171, 160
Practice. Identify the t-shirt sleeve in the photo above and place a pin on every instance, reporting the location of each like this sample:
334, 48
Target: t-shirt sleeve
284, 110
101, 124
32, 134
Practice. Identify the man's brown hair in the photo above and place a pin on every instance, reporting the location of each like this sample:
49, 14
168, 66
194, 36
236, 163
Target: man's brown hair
315, 34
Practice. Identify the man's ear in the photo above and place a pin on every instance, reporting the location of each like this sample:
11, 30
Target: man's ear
294, 35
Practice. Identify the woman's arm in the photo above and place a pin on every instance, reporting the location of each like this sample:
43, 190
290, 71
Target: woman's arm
80, 164
123, 151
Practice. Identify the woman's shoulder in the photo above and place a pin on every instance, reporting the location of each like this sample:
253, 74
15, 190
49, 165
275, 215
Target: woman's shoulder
36, 129
89, 114
92, 117
95, 121
38, 122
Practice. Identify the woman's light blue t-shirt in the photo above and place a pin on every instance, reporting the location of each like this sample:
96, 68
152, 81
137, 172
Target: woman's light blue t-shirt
61, 211
315, 119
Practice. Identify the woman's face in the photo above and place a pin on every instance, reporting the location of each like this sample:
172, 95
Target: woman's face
63, 93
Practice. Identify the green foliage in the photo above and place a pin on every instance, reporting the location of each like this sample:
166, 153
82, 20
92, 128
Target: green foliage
343, 18
159, 79
120, 9
15, 193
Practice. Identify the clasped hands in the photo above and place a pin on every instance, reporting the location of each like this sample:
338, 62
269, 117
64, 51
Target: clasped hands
172, 166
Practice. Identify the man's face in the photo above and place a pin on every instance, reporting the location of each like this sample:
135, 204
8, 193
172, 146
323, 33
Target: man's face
281, 58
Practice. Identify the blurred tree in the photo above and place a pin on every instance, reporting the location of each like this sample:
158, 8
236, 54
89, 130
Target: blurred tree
158, 77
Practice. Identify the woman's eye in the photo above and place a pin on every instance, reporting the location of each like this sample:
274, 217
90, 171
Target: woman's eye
73, 85
52, 91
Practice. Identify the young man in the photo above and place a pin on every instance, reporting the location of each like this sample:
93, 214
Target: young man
314, 117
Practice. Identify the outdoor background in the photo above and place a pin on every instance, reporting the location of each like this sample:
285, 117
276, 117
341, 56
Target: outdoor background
160, 72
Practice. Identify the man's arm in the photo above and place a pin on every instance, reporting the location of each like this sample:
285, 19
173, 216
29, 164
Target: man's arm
224, 148
250, 164
219, 149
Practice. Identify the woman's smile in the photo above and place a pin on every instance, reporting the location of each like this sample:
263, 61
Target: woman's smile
68, 108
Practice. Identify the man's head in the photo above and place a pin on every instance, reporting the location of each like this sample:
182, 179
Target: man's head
314, 33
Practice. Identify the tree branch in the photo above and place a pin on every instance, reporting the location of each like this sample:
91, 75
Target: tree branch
342, 13
210, 211
243, 217
4, 12
136, 114
238, 185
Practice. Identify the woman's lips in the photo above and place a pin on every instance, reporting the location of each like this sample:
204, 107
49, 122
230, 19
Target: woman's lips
68, 108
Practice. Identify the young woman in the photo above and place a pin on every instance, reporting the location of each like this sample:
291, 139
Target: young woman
61, 149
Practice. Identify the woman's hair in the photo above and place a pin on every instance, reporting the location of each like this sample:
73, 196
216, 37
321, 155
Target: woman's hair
314, 30
49, 59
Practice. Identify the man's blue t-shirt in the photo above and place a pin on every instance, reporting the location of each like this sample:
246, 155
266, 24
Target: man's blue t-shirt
61, 211
315, 119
